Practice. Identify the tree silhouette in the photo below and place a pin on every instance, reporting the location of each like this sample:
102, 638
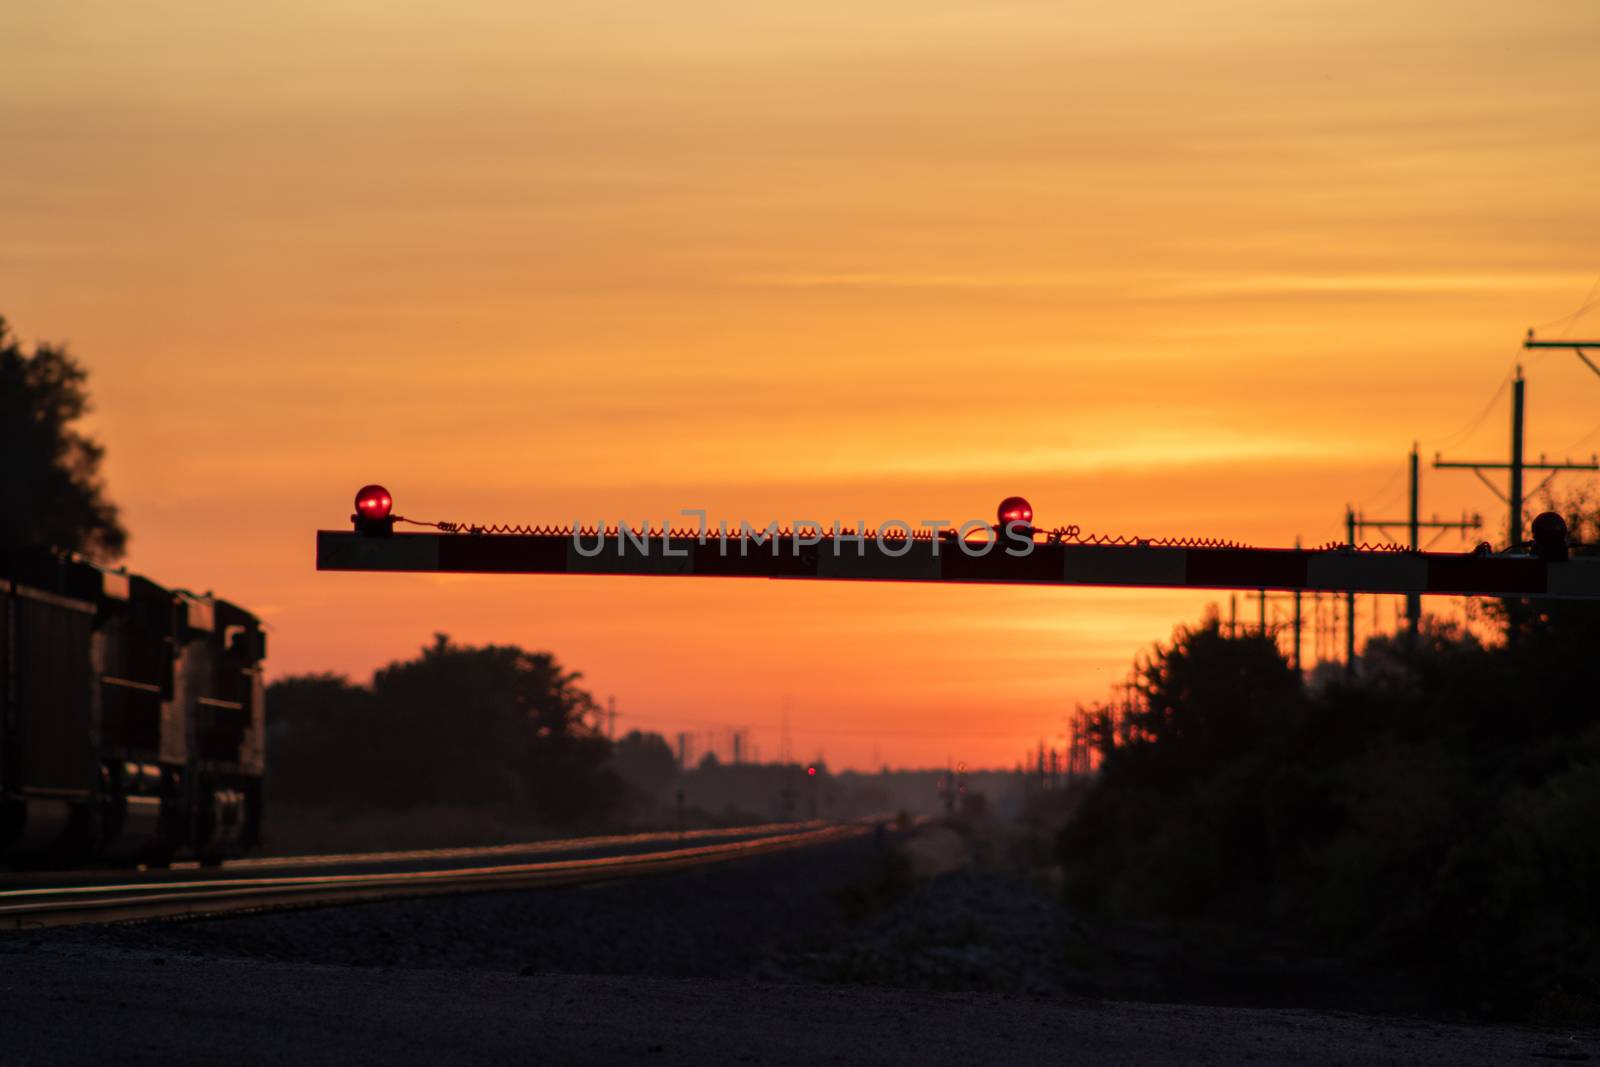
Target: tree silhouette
644, 762
50, 487
457, 724
1428, 814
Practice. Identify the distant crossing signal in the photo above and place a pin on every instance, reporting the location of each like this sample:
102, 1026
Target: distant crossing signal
1550, 537
1016, 509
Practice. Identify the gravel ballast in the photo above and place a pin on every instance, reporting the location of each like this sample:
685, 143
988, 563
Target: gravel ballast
830, 954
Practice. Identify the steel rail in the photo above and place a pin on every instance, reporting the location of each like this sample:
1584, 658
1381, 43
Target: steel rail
85, 877
67, 905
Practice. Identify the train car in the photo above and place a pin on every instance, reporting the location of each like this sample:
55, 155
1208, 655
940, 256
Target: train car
48, 768
219, 688
133, 717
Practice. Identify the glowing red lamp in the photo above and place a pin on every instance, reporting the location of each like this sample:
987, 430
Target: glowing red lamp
373, 502
812, 771
1015, 509
373, 507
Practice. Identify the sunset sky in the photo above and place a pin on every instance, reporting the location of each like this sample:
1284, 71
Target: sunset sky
1187, 266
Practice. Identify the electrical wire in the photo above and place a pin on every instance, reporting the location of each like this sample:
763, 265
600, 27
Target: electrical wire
1394, 476
1061, 535
1585, 439
1588, 303
1441, 443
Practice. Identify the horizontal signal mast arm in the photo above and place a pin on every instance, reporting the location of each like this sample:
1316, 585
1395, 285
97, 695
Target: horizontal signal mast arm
923, 560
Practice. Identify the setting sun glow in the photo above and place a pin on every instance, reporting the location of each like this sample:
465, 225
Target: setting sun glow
1198, 268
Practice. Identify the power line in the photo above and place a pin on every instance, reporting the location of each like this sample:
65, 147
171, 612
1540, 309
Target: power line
1584, 306
1585, 439
1466, 431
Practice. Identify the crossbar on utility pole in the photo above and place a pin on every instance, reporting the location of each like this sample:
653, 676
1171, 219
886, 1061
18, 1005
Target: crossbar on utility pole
1577, 348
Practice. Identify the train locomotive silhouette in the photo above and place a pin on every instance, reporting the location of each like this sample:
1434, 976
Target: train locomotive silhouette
133, 717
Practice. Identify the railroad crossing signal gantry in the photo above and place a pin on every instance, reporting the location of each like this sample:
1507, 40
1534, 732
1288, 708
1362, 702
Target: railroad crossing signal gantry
1061, 558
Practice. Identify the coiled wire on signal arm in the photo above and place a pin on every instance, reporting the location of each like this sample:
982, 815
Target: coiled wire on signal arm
445, 526
1071, 534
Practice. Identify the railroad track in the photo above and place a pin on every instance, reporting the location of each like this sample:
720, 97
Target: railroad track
304, 881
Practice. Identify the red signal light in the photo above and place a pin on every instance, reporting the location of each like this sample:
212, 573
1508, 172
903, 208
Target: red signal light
373, 502
373, 505
1015, 509
811, 771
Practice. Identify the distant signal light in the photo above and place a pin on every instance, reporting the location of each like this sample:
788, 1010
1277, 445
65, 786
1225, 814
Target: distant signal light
373, 508
1550, 537
1015, 511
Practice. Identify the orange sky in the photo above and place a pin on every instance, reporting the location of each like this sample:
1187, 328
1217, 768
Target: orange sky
1163, 267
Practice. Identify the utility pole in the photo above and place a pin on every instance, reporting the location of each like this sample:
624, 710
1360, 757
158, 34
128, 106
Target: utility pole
1262, 596
1349, 601
1297, 622
1297, 630
783, 737
1414, 525
611, 718
1519, 392
1413, 602
1515, 496
1124, 707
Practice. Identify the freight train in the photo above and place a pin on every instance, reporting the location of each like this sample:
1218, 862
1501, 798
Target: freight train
133, 717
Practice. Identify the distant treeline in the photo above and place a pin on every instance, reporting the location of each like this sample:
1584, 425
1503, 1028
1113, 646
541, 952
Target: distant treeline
1431, 815
492, 725
498, 727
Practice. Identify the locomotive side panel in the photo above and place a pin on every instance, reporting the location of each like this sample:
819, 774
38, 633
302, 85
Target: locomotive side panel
219, 688
47, 765
51, 712
7, 770
239, 646
136, 680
